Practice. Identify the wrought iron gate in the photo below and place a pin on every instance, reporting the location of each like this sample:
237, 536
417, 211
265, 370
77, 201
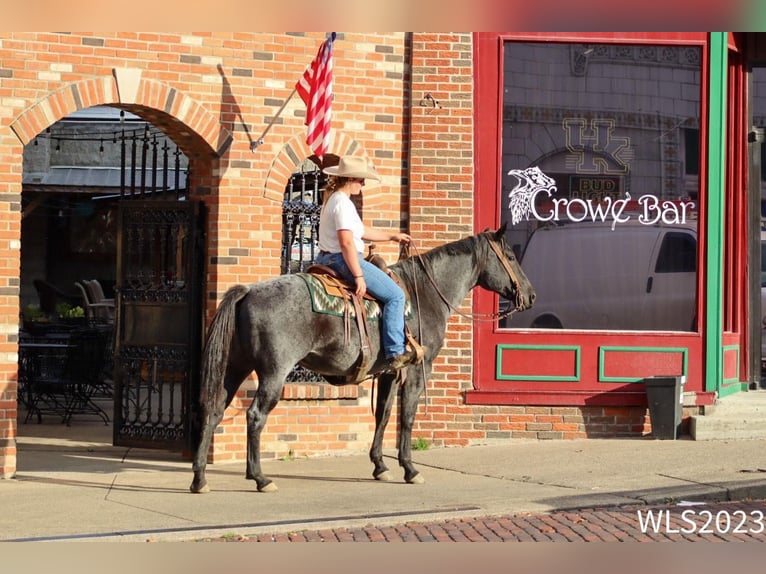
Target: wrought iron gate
158, 323
301, 208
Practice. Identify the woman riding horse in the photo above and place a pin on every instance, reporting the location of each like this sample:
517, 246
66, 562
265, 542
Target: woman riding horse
271, 326
341, 232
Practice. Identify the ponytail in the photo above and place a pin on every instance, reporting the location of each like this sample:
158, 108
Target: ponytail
334, 183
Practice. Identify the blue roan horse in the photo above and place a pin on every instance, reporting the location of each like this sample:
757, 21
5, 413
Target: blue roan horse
269, 327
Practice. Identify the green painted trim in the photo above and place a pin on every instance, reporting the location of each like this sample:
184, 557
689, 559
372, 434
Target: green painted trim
732, 389
725, 381
716, 163
499, 355
602, 378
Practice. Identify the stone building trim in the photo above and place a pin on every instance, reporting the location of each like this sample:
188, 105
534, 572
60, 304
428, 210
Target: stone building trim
292, 155
138, 94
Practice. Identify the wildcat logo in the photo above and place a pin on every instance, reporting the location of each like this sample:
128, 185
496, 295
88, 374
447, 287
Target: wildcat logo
531, 181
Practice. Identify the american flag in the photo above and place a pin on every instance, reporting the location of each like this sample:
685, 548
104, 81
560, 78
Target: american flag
315, 89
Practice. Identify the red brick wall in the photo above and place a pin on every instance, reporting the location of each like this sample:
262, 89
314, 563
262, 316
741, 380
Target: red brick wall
212, 92
403, 100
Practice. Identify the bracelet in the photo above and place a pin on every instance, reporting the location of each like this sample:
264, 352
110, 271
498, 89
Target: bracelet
358, 276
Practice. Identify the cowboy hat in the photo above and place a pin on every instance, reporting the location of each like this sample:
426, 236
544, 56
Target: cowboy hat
352, 167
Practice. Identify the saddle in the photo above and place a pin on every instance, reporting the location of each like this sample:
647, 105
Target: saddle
336, 286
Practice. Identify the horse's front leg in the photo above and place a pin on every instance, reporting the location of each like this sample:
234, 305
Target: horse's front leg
266, 398
411, 391
383, 405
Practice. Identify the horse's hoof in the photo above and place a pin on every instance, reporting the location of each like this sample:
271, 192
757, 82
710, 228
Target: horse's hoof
270, 487
204, 489
384, 476
417, 479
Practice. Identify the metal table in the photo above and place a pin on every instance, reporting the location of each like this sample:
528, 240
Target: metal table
60, 375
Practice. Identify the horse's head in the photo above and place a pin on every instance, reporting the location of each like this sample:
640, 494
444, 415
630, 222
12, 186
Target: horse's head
502, 272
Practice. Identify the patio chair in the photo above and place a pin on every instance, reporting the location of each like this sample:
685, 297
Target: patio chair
97, 291
95, 311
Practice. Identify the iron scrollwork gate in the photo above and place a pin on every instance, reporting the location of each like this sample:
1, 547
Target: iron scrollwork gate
301, 209
158, 323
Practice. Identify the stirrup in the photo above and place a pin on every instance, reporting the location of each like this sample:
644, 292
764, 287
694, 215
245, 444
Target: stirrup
411, 356
420, 350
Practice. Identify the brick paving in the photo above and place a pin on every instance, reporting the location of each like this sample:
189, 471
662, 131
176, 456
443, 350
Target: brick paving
724, 521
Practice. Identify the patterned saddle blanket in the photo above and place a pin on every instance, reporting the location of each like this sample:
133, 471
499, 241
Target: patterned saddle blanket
327, 299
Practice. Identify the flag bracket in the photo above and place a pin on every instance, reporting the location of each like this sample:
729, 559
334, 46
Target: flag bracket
255, 143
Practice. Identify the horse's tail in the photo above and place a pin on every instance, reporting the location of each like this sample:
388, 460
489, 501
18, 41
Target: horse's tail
215, 355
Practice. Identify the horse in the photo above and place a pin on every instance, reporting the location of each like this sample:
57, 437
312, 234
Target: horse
269, 327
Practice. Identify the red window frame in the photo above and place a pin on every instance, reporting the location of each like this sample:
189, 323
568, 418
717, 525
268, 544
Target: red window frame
596, 367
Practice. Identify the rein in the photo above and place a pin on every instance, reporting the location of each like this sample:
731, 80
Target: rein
472, 316
479, 316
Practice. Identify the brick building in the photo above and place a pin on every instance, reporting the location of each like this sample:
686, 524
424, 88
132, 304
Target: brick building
424, 109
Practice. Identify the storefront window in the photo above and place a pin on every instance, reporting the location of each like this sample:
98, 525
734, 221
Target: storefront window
600, 182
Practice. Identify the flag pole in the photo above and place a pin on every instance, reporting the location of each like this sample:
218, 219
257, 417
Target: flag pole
254, 144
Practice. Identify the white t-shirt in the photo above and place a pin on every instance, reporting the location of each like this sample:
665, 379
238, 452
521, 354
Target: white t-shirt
339, 213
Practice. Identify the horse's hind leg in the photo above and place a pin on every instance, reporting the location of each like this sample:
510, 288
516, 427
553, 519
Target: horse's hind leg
383, 405
266, 398
211, 418
211, 421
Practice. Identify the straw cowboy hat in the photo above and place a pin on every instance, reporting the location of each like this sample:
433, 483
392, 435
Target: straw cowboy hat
352, 167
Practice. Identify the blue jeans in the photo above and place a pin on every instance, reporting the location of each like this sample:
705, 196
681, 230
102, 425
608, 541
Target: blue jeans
386, 292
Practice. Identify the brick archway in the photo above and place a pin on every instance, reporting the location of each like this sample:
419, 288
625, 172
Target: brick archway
175, 113
191, 125
293, 153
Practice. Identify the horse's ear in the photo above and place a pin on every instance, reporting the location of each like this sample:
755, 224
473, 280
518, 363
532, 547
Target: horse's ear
500, 233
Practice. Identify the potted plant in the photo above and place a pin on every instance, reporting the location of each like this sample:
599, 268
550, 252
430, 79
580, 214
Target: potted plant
34, 318
70, 315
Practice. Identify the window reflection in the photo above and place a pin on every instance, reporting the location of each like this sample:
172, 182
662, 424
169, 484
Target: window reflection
612, 243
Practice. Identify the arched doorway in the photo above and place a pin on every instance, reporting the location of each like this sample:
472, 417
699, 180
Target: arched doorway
147, 258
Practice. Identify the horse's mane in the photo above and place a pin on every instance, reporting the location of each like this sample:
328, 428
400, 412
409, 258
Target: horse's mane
465, 246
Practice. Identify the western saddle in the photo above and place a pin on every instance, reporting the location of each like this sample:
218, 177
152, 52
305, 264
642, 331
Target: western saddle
336, 286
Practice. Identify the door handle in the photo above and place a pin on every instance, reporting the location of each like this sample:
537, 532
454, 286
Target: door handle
649, 284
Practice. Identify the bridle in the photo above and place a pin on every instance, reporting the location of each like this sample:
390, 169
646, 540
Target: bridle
511, 274
479, 316
471, 316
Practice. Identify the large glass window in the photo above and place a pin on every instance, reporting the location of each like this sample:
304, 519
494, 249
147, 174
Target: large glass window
600, 182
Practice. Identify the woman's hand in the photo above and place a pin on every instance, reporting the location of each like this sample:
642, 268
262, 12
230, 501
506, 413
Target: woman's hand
401, 238
361, 286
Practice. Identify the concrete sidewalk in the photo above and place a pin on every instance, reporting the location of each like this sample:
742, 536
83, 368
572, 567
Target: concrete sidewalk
72, 484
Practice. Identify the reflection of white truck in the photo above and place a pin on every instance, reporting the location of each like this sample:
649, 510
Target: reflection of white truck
589, 276
763, 301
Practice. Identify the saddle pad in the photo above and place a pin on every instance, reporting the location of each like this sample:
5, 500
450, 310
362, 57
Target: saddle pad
333, 304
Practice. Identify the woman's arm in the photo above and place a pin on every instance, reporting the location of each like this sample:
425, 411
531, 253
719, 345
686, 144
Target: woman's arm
372, 234
351, 257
